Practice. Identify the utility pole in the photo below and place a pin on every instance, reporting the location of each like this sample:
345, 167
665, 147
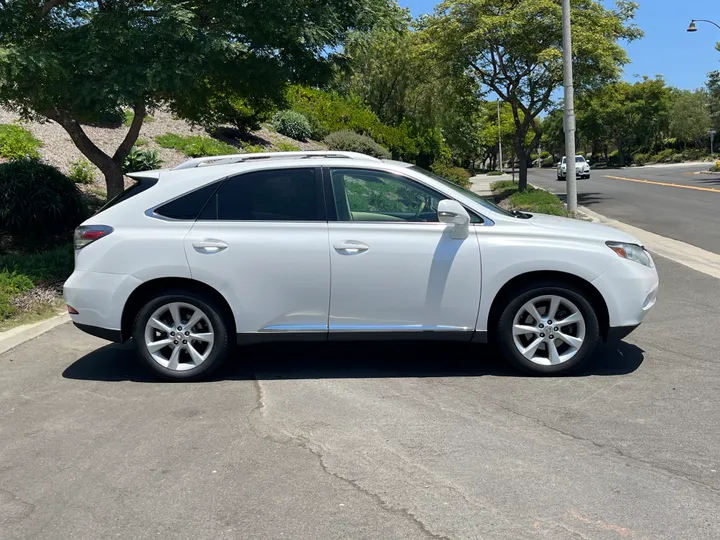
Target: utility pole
712, 132
500, 166
569, 122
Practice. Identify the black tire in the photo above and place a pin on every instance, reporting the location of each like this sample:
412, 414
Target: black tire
518, 298
221, 345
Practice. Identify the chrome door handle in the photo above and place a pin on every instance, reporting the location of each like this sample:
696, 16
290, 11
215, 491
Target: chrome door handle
351, 247
210, 246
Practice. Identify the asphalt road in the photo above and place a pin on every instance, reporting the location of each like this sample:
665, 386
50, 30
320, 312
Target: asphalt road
675, 202
373, 441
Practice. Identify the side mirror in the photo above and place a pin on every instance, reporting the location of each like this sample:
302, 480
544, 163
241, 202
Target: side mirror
453, 213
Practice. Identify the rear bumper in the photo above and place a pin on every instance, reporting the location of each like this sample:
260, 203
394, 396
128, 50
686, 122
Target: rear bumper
102, 333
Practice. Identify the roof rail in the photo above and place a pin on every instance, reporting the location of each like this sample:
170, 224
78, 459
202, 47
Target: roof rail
240, 158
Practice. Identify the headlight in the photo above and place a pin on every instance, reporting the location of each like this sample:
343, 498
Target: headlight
632, 252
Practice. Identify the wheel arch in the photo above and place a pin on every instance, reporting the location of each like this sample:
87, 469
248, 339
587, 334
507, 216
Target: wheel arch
150, 288
593, 295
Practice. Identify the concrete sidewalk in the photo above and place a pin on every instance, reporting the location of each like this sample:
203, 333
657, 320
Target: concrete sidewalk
480, 184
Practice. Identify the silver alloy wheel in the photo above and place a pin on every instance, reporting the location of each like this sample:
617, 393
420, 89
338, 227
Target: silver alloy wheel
179, 336
548, 330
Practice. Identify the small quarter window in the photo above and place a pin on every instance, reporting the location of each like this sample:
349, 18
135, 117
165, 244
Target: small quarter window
189, 205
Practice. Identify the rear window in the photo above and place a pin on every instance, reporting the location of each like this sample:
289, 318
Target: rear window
189, 205
138, 187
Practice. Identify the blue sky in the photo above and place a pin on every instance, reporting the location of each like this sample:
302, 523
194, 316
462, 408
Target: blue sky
684, 59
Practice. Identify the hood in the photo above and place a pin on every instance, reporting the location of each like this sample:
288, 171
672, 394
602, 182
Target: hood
578, 228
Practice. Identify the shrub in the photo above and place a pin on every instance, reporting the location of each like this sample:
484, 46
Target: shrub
18, 143
353, 142
456, 175
37, 199
82, 172
141, 160
253, 148
716, 167
292, 124
676, 158
640, 159
49, 267
287, 147
664, 156
548, 161
692, 154
195, 145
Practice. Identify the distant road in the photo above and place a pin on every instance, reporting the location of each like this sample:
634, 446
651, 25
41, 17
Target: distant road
670, 200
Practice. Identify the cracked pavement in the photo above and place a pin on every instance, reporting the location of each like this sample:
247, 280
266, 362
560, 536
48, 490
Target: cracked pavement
371, 441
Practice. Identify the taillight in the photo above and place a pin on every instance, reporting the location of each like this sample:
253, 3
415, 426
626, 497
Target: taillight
87, 234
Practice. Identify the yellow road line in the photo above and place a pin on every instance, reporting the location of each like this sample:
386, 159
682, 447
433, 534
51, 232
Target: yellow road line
666, 184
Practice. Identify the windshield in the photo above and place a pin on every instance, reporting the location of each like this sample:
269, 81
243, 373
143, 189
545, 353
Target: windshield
469, 194
579, 159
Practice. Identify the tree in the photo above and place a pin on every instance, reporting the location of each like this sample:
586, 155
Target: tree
513, 48
393, 69
689, 117
713, 88
76, 61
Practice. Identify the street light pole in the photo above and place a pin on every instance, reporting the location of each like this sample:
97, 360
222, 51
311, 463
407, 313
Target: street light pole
569, 122
500, 167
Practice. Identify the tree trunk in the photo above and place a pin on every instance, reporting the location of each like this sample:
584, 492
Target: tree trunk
114, 179
111, 167
522, 163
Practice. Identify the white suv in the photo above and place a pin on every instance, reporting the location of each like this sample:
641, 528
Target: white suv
342, 246
582, 168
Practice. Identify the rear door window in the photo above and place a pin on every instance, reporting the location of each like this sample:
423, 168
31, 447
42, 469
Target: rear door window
269, 195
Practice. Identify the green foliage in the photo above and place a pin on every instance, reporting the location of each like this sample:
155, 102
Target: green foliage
349, 141
141, 160
75, 60
141, 142
18, 143
503, 185
81, 172
690, 117
254, 148
664, 156
52, 266
37, 199
448, 171
195, 145
283, 146
640, 159
11, 284
494, 173
292, 124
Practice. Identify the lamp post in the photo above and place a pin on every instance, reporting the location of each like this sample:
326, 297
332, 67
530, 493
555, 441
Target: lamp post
569, 119
693, 27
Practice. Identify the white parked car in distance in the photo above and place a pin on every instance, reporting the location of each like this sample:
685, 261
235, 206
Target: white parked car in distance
343, 246
582, 168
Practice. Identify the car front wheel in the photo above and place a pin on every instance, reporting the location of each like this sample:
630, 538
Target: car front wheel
548, 329
181, 336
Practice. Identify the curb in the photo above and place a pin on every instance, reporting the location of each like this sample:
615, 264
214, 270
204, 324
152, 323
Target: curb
19, 335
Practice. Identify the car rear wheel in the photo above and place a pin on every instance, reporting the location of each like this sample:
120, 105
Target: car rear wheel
548, 329
181, 336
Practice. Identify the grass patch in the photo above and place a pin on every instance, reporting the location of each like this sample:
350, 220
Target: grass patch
195, 145
130, 116
287, 147
494, 173
142, 142
18, 143
530, 200
30, 284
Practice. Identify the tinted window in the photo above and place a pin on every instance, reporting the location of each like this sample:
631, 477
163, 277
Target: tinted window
366, 195
138, 187
277, 195
190, 205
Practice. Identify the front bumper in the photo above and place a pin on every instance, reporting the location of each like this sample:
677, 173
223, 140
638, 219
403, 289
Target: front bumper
630, 291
